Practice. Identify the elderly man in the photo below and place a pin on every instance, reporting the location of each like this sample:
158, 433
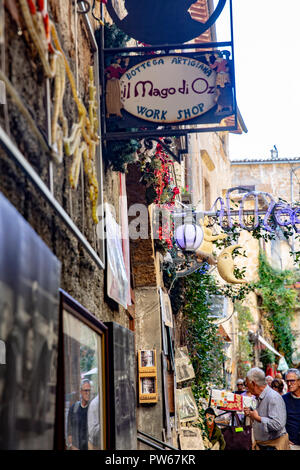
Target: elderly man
77, 427
269, 418
292, 403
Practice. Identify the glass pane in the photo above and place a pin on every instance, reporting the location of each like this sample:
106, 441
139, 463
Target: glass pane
218, 306
83, 385
29, 312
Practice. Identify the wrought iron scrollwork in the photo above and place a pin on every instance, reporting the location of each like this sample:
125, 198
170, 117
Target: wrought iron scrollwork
165, 143
182, 264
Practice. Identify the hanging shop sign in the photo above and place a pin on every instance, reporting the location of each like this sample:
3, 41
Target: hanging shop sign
168, 89
160, 22
267, 212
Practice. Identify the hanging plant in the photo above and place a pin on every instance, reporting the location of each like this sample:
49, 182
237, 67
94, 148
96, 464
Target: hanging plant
113, 36
156, 175
266, 357
205, 346
245, 348
118, 154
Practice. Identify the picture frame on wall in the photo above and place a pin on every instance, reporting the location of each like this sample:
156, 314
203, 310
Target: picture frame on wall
147, 376
83, 362
183, 365
166, 309
148, 389
148, 385
29, 322
147, 361
186, 405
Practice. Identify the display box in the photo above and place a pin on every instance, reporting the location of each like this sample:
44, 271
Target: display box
147, 361
147, 376
148, 389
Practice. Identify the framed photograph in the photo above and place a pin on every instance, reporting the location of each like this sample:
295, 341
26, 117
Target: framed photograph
148, 389
147, 361
191, 439
186, 404
166, 309
148, 385
183, 365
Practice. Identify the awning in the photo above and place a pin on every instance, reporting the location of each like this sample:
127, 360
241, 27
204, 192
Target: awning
222, 332
91, 372
265, 343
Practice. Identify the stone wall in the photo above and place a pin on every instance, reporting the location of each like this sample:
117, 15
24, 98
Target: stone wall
80, 277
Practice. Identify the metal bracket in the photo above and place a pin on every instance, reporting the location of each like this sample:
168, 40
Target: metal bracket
165, 143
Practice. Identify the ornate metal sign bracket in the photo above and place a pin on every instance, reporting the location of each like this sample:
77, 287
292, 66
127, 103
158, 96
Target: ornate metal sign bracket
127, 71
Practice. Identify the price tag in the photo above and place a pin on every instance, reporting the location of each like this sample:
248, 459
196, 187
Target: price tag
239, 429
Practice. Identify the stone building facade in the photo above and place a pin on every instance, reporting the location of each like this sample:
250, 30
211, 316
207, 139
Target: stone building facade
278, 177
44, 102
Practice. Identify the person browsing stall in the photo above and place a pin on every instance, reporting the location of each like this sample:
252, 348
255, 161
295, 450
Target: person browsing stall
269, 418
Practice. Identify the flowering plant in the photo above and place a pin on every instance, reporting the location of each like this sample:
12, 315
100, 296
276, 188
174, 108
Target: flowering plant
161, 189
156, 175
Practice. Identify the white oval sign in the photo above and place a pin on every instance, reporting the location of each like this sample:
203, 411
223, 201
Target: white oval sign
168, 89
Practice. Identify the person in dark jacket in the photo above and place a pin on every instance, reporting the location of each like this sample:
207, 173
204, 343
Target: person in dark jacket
292, 404
77, 428
213, 431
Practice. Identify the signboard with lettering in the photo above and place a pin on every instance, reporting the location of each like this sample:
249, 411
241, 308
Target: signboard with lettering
151, 91
168, 89
162, 90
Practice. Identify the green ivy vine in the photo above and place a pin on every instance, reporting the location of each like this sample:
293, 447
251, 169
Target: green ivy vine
206, 347
278, 304
245, 348
267, 357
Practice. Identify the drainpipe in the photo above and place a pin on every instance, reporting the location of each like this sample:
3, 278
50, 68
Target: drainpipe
213, 30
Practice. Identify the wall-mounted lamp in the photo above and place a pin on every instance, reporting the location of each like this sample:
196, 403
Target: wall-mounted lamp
189, 236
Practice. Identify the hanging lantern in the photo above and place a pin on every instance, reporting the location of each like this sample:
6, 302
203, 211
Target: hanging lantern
189, 237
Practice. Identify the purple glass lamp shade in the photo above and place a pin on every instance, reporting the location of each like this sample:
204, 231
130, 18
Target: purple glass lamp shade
189, 237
